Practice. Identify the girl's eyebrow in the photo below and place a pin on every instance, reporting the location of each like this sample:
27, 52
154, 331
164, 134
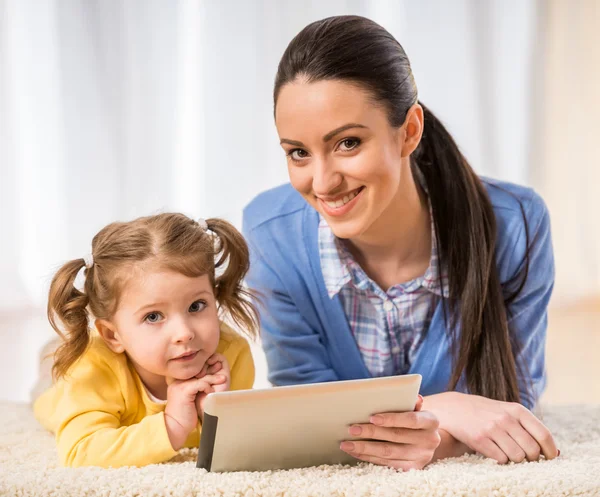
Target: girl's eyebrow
150, 306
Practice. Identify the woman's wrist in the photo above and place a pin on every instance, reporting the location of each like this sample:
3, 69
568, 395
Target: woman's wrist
437, 401
442, 405
449, 447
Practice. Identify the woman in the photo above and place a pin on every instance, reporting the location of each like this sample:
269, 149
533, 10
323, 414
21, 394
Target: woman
388, 255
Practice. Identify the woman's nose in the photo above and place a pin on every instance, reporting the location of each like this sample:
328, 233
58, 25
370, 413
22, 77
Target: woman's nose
325, 177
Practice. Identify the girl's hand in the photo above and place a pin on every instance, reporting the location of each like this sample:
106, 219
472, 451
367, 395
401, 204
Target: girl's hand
503, 431
216, 363
408, 439
181, 414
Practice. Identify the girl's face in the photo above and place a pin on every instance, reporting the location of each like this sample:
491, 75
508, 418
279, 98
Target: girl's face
343, 156
167, 323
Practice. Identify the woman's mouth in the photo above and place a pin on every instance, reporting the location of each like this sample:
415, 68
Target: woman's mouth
342, 204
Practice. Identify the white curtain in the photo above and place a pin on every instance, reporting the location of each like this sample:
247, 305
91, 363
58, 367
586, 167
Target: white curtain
112, 109
566, 159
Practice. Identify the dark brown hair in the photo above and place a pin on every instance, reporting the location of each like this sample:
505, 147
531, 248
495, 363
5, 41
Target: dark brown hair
359, 51
172, 241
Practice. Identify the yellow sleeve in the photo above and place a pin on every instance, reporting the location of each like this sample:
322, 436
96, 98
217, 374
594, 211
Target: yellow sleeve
236, 350
242, 369
86, 411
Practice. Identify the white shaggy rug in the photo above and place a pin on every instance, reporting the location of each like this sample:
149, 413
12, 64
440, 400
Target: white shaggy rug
28, 467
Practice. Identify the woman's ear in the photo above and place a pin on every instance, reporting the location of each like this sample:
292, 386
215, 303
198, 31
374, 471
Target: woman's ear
110, 335
413, 130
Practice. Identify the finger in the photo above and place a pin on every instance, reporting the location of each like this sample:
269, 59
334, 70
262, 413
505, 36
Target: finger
396, 435
383, 450
215, 368
508, 445
522, 437
214, 359
415, 420
392, 463
419, 404
488, 448
387, 450
221, 388
540, 433
203, 371
206, 383
215, 379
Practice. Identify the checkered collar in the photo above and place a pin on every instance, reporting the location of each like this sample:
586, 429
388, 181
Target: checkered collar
340, 268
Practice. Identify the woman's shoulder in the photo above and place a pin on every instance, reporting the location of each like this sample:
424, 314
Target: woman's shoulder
509, 199
279, 225
522, 220
271, 205
513, 204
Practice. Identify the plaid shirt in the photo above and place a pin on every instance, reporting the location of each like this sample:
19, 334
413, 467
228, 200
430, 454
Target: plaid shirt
388, 326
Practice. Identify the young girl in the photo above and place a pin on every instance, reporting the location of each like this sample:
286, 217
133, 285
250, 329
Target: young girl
130, 391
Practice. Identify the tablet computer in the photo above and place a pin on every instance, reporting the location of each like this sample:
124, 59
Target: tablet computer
295, 426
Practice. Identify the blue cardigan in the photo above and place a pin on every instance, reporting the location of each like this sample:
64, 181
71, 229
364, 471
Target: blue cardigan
305, 334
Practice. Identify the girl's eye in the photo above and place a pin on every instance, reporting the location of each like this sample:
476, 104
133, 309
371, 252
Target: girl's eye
297, 154
349, 144
198, 306
153, 317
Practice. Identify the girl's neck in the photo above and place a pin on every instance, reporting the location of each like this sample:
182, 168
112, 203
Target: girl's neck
155, 384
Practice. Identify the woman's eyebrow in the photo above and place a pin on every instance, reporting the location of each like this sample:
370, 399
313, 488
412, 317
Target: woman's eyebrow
327, 137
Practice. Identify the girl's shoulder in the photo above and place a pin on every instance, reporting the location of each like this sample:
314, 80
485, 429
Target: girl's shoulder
98, 360
236, 350
99, 351
231, 343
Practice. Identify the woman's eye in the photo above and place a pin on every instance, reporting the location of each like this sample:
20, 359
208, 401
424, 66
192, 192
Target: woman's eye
198, 306
349, 144
298, 154
153, 317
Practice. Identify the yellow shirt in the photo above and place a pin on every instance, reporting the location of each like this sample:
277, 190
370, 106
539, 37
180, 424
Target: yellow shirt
102, 415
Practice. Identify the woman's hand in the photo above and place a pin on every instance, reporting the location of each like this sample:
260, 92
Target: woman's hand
216, 363
408, 440
503, 431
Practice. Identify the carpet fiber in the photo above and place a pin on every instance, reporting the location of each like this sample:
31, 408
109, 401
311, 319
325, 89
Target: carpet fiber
28, 466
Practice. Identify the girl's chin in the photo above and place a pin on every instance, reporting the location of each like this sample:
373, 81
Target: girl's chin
187, 374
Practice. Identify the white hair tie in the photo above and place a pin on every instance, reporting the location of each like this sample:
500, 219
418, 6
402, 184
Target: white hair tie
203, 224
89, 260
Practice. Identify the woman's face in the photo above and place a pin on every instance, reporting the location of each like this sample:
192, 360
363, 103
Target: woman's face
343, 156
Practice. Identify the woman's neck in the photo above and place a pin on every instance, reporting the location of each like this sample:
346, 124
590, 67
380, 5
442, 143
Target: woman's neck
397, 246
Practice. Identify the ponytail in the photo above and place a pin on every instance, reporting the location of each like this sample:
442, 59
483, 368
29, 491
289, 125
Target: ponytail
465, 228
68, 306
231, 265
